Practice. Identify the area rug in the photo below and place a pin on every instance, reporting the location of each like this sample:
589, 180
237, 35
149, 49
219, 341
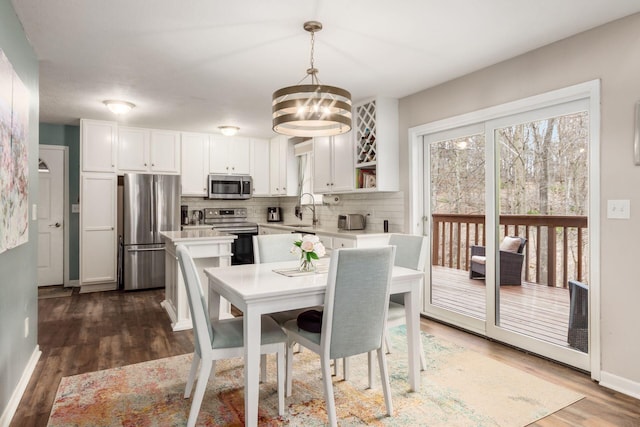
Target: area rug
460, 387
45, 292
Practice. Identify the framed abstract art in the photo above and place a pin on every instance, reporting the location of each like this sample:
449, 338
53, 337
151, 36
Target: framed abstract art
14, 161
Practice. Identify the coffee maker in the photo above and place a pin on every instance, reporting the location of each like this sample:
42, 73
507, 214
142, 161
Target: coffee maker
273, 215
184, 214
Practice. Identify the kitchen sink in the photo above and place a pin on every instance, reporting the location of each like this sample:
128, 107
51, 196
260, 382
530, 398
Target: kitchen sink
297, 225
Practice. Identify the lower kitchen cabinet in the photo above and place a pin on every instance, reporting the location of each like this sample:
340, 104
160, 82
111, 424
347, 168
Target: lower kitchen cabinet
206, 252
98, 242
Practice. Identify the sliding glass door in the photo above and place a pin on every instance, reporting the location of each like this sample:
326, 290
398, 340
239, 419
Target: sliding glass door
506, 207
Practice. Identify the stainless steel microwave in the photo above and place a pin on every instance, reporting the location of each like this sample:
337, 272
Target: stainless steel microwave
230, 187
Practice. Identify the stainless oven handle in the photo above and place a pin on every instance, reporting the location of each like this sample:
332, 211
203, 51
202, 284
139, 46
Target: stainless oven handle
237, 230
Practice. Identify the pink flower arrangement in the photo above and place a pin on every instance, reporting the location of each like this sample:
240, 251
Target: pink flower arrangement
309, 248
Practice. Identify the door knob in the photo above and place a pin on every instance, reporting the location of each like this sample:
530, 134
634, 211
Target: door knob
56, 225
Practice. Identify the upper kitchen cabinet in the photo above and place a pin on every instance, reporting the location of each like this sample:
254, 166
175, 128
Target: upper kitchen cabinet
376, 145
333, 164
260, 166
148, 151
283, 175
133, 149
98, 145
229, 155
195, 164
165, 151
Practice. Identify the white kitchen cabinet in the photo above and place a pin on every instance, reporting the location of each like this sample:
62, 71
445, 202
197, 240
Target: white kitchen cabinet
195, 164
98, 241
333, 164
207, 252
98, 145
339, 243
148, 151
326, 240
260, 166
375, 132
133, 149
283, 179
164, 151
229, 155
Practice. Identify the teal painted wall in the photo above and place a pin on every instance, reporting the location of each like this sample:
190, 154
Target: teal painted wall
18, 267
68, 136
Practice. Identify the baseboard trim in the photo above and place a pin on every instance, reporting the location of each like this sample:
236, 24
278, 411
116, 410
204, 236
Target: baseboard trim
176, 325
98, 287
12, 405
74, 283
617, 383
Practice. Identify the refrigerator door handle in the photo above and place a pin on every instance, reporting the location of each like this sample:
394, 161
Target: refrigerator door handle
145, 250
154, 201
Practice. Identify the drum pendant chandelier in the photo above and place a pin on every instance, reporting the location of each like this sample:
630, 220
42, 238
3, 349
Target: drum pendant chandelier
311, 109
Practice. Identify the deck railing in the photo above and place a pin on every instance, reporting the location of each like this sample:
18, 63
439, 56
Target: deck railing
555, 250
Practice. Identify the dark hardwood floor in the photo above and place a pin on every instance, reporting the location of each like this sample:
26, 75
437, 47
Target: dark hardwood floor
89, 332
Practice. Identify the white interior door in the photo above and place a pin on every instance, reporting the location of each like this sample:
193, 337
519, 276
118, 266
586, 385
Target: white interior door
51, 217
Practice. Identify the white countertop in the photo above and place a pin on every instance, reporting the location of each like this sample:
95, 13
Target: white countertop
196, 234
322, 229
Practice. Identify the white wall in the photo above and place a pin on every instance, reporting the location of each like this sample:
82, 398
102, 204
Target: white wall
610, 53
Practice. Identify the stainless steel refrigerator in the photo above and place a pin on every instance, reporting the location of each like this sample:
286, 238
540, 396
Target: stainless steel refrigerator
151, 203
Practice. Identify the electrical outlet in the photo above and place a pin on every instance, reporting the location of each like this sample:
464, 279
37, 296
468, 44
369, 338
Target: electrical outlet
26, 327
618, 209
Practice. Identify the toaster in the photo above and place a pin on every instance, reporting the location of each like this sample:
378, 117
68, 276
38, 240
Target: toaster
351, 222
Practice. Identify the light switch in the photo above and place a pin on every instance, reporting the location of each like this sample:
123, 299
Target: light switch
75, 208
34, 212
618, 209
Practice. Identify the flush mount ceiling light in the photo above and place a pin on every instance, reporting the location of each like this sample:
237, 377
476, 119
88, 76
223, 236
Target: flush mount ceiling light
228, 130
311, 109
118, 107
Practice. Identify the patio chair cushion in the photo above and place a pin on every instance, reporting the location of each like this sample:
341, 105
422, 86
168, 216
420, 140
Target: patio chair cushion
480, 259
511, 244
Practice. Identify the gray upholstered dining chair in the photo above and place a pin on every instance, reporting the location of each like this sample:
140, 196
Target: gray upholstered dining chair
411, 252
354, 317
215, 340
275, 248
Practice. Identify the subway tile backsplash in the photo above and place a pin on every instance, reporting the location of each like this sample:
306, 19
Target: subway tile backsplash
376, 207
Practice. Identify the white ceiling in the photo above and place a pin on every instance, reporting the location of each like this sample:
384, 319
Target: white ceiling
198, 64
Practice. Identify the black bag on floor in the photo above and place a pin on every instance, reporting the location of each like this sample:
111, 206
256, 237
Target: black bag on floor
310, 321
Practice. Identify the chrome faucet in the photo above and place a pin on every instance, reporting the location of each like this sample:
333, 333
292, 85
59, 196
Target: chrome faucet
314, 219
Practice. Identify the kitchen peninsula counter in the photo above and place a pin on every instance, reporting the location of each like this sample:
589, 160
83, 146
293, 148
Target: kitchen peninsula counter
209, 248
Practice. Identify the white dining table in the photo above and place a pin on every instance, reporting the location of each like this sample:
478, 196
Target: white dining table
256, 289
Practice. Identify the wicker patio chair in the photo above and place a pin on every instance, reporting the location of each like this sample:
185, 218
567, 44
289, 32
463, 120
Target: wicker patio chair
578, 335
511, 260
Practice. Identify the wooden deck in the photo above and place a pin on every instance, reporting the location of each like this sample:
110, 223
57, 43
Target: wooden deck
535, 310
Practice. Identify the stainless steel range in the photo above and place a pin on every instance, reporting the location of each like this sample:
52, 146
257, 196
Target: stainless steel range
234, 221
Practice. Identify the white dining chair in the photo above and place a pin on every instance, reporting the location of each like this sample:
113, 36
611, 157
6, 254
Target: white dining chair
215, 340
354, 317
411, 252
